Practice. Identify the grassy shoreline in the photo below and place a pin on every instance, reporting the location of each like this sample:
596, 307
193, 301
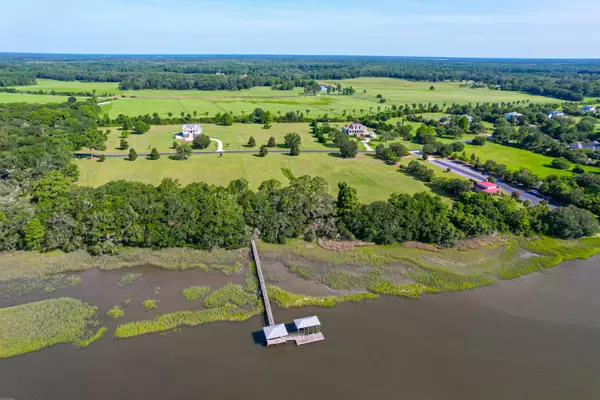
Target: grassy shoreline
363, 273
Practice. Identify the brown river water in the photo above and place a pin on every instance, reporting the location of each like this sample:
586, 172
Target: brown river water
537, 337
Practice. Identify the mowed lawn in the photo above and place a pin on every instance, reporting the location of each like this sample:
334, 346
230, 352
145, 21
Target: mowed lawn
373, 179
517, 158
396, 91
31, 98
234, 137
400, 91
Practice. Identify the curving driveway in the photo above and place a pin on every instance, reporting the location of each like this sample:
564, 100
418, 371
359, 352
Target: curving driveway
219, 145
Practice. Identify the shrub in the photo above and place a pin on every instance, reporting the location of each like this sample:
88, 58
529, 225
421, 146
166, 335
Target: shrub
479, 141
154, 154
251, 142
263, 151
560, 163
102, 158
201, 142
150, 305
115, 312
132, 155
271, 142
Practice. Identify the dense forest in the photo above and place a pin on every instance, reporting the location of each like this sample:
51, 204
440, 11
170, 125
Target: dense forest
43, 208
563, 79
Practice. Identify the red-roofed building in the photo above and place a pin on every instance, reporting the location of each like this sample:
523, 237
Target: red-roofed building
486, 187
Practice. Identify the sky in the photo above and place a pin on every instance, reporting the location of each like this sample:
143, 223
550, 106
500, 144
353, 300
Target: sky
440, 28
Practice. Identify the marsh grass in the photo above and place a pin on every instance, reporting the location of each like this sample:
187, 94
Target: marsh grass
157, 291
228, 270
286, 299
31, 327
168, 322
115, 312
35, 265
303, 272
48, 284
126, 302
230, 295
128, 279
150, 305
195, 293
251, 284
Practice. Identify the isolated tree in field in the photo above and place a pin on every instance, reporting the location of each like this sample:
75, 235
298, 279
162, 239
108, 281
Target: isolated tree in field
102, 158
560, 163
195, 113
170, 114
125, 134
307, 111
271, 142
349, 148
132, 155
294, 150
263, 151
183, 151
292, 139
182, 114
251, 142
141, 127
201, 142
206, 113
154, 154
72, 99
431, 87
174, 145
473, 157
34, 234
123, 144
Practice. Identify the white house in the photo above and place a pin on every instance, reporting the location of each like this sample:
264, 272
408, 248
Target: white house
555, 114
588, 109
513, 116
190, 131
357, 130
468, 117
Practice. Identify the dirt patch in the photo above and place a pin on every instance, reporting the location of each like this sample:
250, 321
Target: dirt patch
470, 244
342, 246
420, 246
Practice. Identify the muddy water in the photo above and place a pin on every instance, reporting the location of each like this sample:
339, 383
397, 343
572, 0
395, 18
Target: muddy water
537, 337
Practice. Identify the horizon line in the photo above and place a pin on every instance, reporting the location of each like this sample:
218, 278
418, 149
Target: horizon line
438, 58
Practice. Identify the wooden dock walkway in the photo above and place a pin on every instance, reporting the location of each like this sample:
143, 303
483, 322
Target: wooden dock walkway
298, 338
263, 287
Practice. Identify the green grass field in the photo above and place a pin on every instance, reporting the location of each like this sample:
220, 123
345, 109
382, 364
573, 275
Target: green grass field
517, 158
373, 179
30, 98
234, 137
396, 91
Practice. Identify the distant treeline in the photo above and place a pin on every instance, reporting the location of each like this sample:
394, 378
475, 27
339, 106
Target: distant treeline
565, 79
42, 209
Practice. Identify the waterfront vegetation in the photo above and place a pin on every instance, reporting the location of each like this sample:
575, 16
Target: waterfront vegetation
48, 284
195, 292
150, 305
174, 320
230, 295
128, 279
116, 312
31, 327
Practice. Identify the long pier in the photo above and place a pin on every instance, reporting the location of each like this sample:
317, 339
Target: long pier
263, 287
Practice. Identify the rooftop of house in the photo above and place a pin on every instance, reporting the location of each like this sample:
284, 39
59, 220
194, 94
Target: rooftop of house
191, 126
487, 184
355, 126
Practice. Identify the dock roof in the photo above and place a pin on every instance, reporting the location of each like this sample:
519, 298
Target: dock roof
275, 331
307, 322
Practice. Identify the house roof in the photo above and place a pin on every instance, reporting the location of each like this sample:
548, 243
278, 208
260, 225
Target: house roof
191, 126
487, 184
275, 331
307, 322
355, 126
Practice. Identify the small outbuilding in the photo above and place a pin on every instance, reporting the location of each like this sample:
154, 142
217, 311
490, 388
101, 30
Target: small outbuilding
275, 331
308, 325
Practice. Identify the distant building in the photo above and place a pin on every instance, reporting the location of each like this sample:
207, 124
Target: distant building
324, 88
555, 114
468, 117
357, 130
486, 187
513, 116
594, 146
189, 131
589, 109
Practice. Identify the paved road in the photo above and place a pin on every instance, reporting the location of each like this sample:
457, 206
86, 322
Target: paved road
335, 151
471, 173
